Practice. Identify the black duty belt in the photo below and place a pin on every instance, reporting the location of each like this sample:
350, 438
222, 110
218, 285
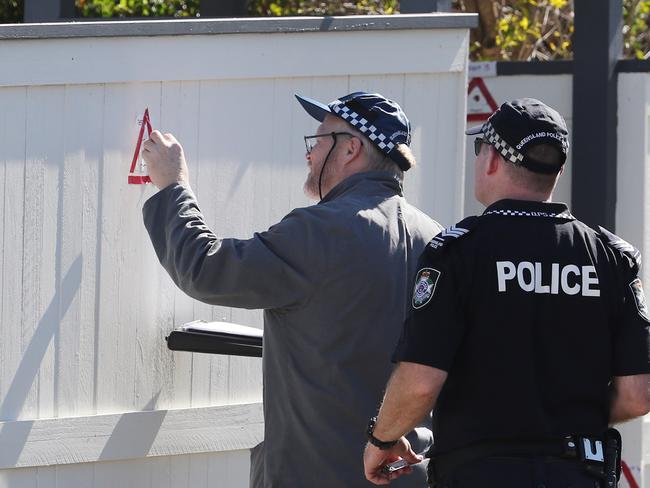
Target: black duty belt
588, 450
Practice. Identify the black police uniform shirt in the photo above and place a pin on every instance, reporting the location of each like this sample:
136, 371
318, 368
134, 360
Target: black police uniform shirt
531, 312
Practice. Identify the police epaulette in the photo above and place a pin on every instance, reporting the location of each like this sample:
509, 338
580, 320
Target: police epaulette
624, 247
452, 233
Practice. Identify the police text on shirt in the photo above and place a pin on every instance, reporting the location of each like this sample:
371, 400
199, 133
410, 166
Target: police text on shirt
534, 277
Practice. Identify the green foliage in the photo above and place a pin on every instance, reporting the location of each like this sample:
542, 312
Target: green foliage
535, 29
266, 8
11, 11
636, 28
137, 8
525, 30
522, 30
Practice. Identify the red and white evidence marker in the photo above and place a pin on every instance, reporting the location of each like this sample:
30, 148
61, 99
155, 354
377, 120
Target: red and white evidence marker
140, 179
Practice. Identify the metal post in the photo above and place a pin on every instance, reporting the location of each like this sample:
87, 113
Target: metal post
223, 8
598, 45
48, 10
424, 6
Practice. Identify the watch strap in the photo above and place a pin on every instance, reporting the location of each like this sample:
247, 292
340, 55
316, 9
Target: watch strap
383, 445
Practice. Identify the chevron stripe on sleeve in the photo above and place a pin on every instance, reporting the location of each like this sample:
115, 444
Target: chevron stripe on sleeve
452, 232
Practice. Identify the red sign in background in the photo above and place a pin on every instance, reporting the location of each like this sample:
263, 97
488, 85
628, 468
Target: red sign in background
477, 92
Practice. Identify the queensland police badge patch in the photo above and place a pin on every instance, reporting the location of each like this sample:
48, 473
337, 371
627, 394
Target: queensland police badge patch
425, 286
639, 297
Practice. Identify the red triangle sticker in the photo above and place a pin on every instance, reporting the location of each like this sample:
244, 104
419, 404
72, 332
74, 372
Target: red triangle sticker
134, 178
480, 103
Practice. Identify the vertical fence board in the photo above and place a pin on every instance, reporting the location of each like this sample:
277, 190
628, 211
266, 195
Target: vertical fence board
46, 476
45, 137
180, 471
3, 229
161, 473
178, 114
421, 104
632, 210
229, 469
189, 131
18, 478
126, 290
12, 141
42, 297
247, 184
215, 172
74, 475
107, 476
78, 229
152, 315
154, 291
448, 182
198, 471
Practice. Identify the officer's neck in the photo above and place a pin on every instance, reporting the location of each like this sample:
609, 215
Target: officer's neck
516, 194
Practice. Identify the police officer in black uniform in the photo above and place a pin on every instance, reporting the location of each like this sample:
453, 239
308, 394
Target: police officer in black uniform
528, 330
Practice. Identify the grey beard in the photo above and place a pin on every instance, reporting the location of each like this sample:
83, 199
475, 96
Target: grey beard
310, 188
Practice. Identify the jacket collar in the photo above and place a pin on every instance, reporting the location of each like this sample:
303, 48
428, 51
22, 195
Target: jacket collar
369, 182
526, 208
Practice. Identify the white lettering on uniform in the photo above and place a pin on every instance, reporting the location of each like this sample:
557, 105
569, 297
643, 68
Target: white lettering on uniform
503, 275
539, 288
526, 266
570, 279
555, 274
566, 288
588, 280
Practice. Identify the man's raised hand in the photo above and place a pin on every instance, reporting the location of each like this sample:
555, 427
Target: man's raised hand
165, 160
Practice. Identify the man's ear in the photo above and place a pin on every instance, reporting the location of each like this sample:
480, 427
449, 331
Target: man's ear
353, 148
493, 161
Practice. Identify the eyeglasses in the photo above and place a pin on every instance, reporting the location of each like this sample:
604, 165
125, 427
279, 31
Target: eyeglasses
478, 142
310, 141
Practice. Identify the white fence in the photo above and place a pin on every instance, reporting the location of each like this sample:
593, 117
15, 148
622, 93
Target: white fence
85, 375
633, 217
633, 192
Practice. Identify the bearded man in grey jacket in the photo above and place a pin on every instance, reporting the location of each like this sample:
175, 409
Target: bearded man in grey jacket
337, 278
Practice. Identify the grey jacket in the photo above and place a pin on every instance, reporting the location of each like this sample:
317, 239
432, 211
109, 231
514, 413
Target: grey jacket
334, 280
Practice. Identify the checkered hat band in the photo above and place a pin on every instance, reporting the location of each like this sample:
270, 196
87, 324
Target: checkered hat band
365, 127
508, 152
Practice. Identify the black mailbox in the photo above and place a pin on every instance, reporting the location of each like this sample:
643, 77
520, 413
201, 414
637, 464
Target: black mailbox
216, 338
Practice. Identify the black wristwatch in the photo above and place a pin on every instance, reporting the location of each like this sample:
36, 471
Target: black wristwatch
383, 445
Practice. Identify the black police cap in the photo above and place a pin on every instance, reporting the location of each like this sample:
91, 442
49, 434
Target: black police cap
522, 124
